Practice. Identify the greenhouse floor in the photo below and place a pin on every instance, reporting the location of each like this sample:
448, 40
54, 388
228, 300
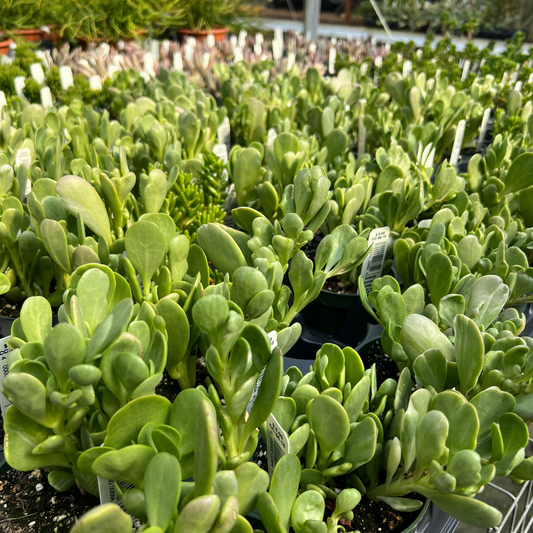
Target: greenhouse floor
357, 32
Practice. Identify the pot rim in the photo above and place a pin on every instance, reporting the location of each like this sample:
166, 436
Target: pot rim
214, 31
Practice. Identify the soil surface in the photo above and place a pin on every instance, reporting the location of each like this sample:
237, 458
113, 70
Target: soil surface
385, 367
334, 285
9, 308
169, 388
28, 504
376, 517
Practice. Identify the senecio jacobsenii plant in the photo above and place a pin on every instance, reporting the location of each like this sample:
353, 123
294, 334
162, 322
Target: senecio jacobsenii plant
66, 381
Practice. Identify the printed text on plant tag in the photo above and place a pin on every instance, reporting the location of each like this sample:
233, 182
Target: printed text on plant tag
373, 264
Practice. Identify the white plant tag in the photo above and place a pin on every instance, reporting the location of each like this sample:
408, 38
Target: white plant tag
206, 56
271, 137
387, 48
259, 39
154, 48
378, 62
419, 53
177, 61
148, 63
312, 48
221, 152
530, 79
234, 41
277, 50
4, 352
189, 52
46, 97
19, 82
166, 46
3, 101
37, 73
505, 77
113, 69
238, 55
466, 70
95, 83
331, 63
224, 132
518, 86
65, 75
278, 443
278, 35
258, 49
361, 136
407, 68
108, 494
364, 69
514, 77
210, 41
458, 142
483, 128
23, 157
291, 59
242, 38
273, 337
425, 223
373, 264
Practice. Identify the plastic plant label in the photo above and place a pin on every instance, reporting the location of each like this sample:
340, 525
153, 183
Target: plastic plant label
258, 49
387, 48
518, 86
466, 70
189, 52
46, 97
95, 83
65, 75
312, 48
361, 136
373, 264
331, 62
334, 41
278, 443
224, 133
291, 59
113, 69
148, 63
221, 152
378, 62
458, 142
271, 137
234, 41
108, 493
4, 352
277, 50
206, 56
278, 35
530, 79
37, 73
177, 61
19, 82
364, 69
514, 77
273, 337
242, 38
154, 48
210, 40
238, 55
419, 53
166, 46
2, 100
407, 68
259, 38
23, 157
505, 77
483, 128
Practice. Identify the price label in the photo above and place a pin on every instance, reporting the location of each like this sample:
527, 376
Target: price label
407, 68
331, 62
278, 443
373, 264
95, 83
46, 97
221, 152
37, 73
291, 59
271, 137
466, 70
108, 493
148, 63
458, 142
177, 61
19, 82
483, 128
361, 136
210, 41
4, 352
65, 75
23, 157
259, 39
273, 338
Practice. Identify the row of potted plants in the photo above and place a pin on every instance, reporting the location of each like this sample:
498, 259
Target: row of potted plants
120, 242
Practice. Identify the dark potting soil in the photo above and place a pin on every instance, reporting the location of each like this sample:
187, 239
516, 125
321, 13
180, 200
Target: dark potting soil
376, 517
169, 388
9, 308
385, 367
28, 504
334, 285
